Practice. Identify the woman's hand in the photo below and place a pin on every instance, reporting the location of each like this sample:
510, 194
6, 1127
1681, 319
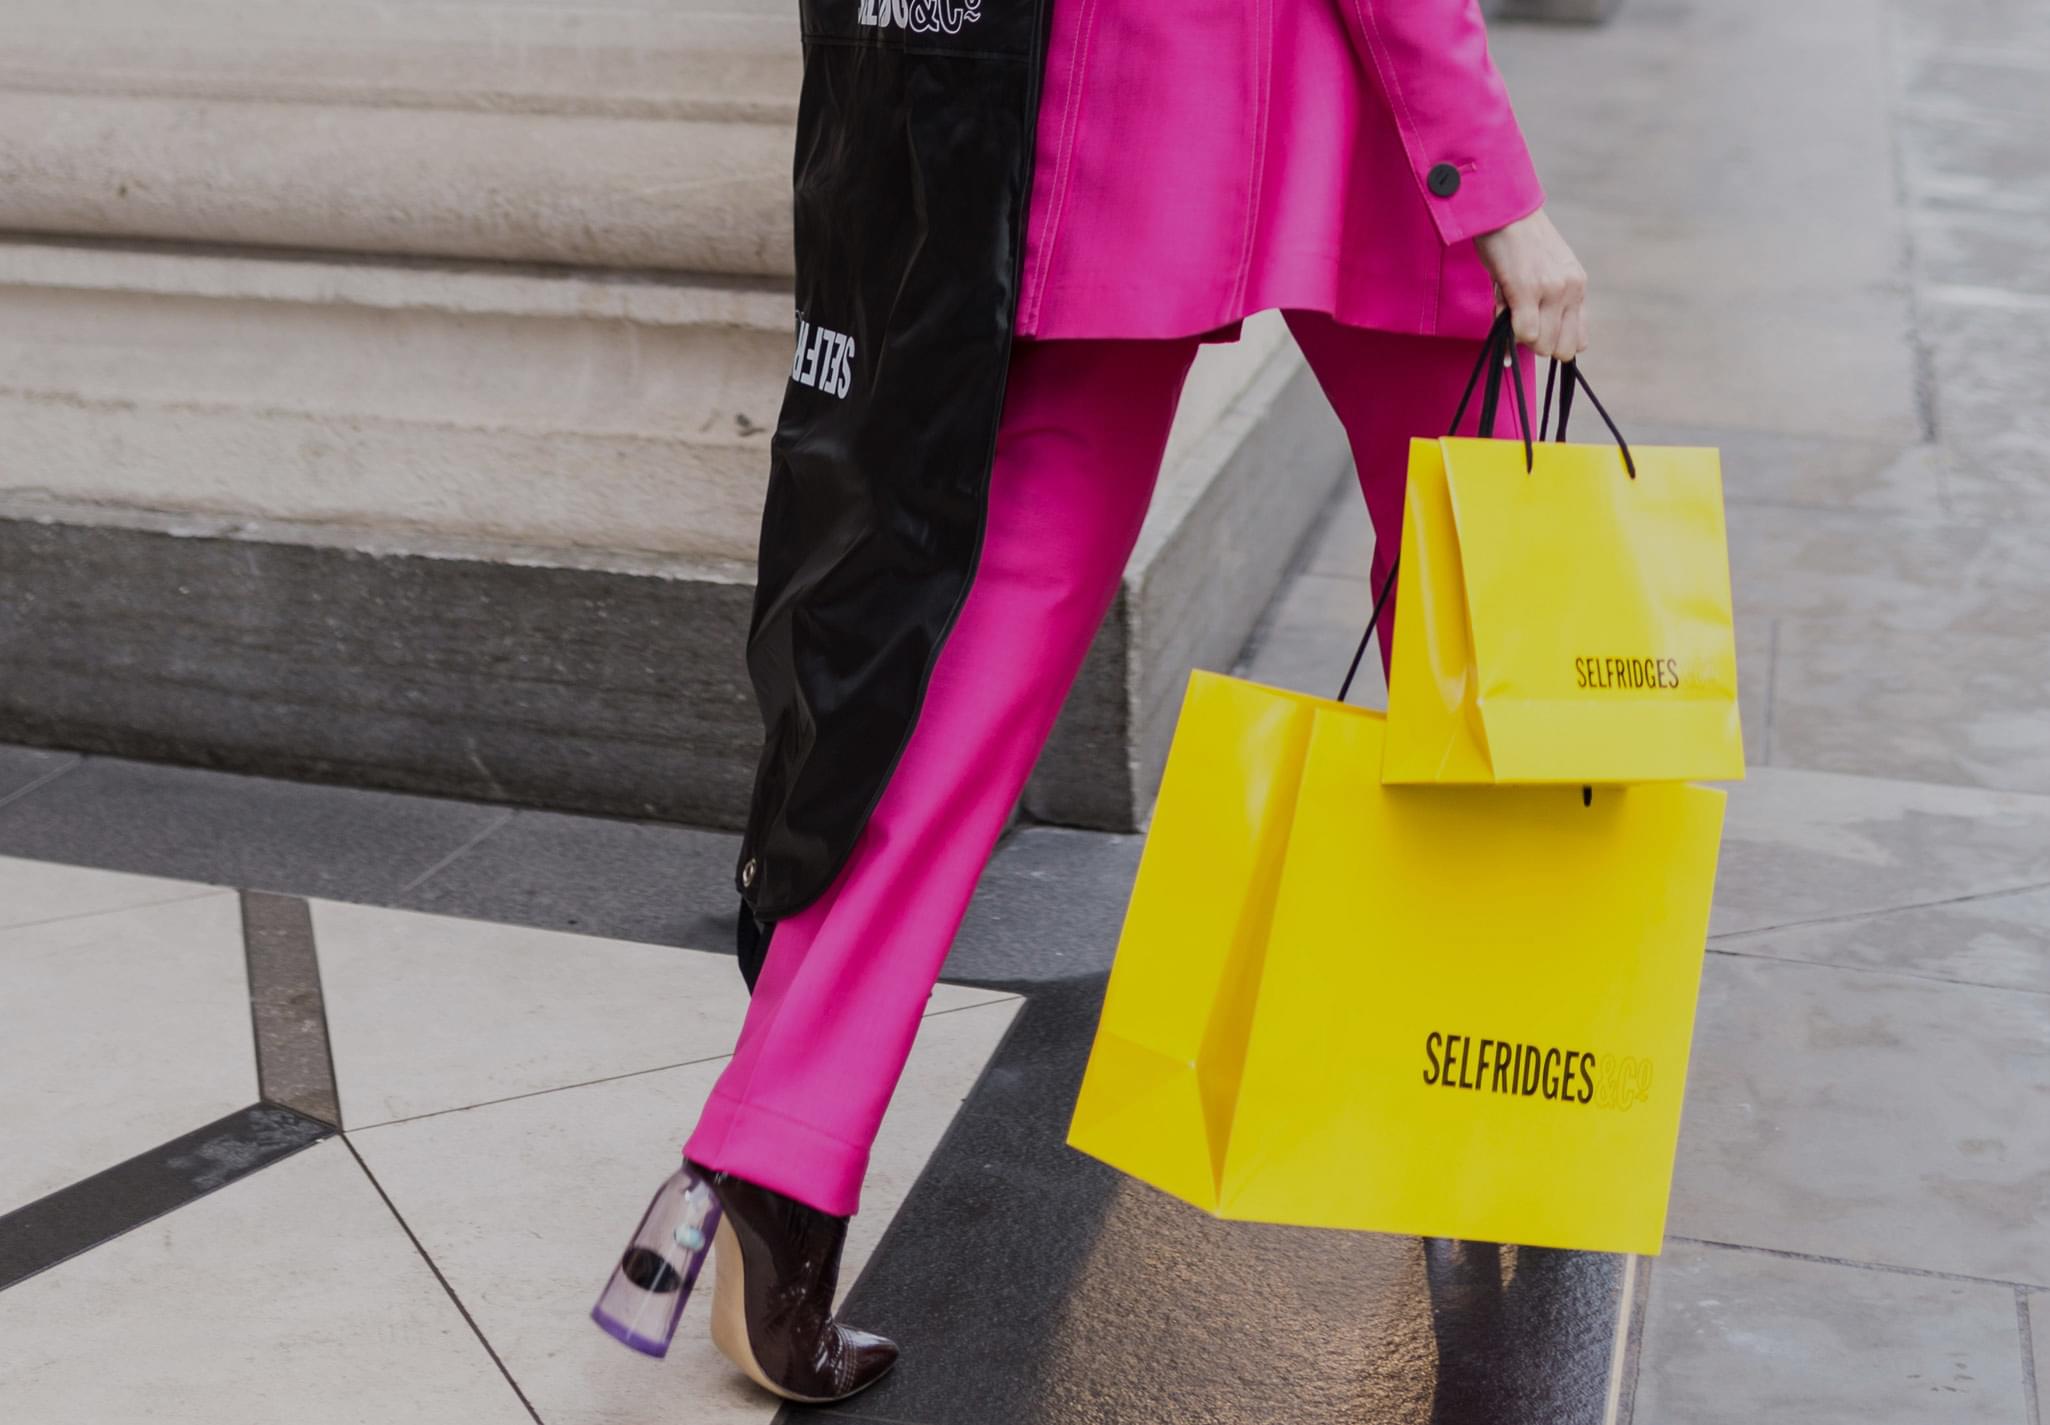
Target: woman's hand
1541, 282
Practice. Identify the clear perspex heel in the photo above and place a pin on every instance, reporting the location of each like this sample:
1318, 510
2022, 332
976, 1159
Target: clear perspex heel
644, 1299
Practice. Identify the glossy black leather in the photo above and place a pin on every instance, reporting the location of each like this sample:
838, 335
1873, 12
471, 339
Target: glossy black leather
791, 1267
912, 180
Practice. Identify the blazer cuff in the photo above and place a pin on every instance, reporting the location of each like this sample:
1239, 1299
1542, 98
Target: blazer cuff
1485, 194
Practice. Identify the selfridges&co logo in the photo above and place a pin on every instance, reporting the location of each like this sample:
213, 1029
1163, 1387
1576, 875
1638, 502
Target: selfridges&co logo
1557, 1075
825, 359
926, 17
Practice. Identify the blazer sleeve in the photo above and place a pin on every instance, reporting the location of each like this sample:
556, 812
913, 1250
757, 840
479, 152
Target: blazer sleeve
1430, 58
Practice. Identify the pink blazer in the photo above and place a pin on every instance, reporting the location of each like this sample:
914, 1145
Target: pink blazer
1201, 160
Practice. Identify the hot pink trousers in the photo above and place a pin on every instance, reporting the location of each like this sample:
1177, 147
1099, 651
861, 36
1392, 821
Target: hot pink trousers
846, 980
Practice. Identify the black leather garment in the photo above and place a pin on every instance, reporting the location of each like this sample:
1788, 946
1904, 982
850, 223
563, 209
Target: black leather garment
777, 1267
913, 178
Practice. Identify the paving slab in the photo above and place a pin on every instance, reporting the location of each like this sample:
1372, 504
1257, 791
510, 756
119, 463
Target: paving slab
630, 880
1963, 708
1344, 541
1741, 280
525, 1205
255, 833
2000, 481
1735, 1337
32, 892
1868, 1117
290, 1295
1987, 161
1049, 907
2018, 29
1803, 845
428, 1013
1838, 366
1944, 78
1986, 252
121, 1030
1988, 357
1812, 471
1311, 635
1939, 578
1757, 644
23, 769
2002, 941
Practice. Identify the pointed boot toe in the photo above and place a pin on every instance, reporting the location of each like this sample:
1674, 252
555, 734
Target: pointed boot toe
868, 1357
776, 1265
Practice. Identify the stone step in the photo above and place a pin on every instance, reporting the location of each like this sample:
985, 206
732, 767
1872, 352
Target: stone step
634, 134
587, 410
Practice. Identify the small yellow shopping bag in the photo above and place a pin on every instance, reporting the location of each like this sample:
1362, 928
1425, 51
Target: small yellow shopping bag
1458, 1012
1563, 615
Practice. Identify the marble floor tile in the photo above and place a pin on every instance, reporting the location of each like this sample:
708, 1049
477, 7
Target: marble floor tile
1870, 1117
1858, 570
1964, 708
118, 1030
1801, 846
428, 1013
2002, 941
524, 1205
32, 892
1741, 1338
292, 1295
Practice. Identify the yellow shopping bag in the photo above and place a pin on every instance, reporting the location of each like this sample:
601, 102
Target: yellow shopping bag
1562, 615
1458, 1012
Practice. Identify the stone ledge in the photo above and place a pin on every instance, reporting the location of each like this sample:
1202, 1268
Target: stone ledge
588, 680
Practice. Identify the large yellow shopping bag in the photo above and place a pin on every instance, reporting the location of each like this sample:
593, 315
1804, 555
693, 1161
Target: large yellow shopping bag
1459, 1012
1562, 616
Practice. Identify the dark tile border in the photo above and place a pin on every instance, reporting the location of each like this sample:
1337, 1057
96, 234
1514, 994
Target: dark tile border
294, 1065
77, 1218
300, 1106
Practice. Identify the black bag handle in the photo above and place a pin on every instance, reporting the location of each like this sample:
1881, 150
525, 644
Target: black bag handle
1576, 377
1498, 355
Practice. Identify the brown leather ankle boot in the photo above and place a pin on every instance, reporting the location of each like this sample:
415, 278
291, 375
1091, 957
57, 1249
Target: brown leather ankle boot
776, 1264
